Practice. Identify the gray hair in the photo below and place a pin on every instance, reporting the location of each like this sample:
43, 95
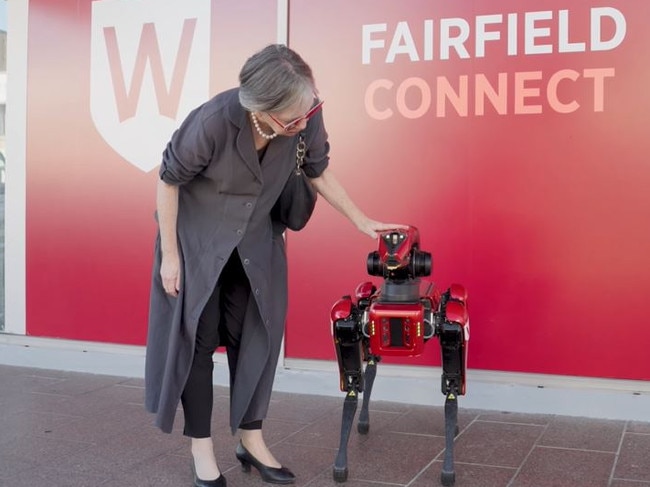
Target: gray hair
275, 79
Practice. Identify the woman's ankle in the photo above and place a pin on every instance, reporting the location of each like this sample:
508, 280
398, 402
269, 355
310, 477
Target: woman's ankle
254, 443
204, 460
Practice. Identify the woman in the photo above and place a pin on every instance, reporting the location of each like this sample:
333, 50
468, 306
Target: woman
220, 270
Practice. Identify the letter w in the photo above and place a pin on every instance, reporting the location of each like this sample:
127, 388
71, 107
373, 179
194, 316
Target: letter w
168, 100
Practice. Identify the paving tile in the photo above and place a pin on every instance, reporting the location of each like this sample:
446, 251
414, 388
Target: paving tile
583, 434
39, 451
114, 422
64, 397
53, 477
10, 467
393, 457
65, 429
325, 480
31, 454
76, 384
378, 420
634, 458
638, 427
428, 421
116, 394
87, 405
467, 475
10, 370
326, 431
21, 402
280, 431
496, 444
163, 471
23, 383
31, 371
293, 407
387, 407
120, 452
559, 467
133, 381
30, 423
521, 418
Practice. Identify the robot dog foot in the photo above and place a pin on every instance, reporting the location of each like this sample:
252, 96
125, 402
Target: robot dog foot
448, 474
340, 473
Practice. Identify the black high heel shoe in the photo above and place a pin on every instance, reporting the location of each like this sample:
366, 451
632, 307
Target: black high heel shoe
272, 475
220, 481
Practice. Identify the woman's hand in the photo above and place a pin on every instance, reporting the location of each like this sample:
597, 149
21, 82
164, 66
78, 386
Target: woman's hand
372, 227
167, 211
170, 273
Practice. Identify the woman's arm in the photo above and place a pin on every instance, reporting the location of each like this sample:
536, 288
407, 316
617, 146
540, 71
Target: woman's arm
328, 186
167, 207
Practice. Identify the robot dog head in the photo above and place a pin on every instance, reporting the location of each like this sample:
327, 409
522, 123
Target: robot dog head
398, 257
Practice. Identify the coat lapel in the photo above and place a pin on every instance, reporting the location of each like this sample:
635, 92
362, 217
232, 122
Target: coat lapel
276, 152
244, 138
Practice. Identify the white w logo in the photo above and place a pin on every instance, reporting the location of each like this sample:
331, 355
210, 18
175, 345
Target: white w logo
149, 67
149, 50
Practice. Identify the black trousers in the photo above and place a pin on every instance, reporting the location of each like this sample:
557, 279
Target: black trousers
220, 324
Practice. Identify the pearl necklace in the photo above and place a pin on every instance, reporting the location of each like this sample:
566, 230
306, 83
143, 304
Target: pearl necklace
259, 130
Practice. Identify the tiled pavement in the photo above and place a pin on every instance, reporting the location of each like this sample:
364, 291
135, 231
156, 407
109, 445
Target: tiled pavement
67, 429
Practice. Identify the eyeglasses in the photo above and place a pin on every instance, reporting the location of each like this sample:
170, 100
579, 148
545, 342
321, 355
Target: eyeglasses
306, 116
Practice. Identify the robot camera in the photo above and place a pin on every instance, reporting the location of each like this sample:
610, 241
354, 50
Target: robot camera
398, 256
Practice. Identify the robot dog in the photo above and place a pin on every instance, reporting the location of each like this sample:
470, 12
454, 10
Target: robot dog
397, 320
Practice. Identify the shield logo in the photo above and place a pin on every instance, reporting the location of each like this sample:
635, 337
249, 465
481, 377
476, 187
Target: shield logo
150, 65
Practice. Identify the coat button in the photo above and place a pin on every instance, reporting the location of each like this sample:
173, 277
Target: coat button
246, 261
257, 291
240, 231
249, 204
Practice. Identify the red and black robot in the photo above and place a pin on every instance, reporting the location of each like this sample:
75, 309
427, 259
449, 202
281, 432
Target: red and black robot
397, 320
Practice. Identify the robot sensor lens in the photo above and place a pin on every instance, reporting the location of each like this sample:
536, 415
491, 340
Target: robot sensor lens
421, 263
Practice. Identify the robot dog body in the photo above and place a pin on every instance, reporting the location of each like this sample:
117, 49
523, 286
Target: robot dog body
397, 320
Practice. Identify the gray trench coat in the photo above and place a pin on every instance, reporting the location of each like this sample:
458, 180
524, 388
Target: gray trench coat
225, 198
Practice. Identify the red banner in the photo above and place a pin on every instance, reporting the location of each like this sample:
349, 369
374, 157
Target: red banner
515, 138
108, 83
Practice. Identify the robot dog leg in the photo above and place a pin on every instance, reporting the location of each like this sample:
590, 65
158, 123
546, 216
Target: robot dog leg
363, 425
364, 294
351, 351
452, 328
348, 342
